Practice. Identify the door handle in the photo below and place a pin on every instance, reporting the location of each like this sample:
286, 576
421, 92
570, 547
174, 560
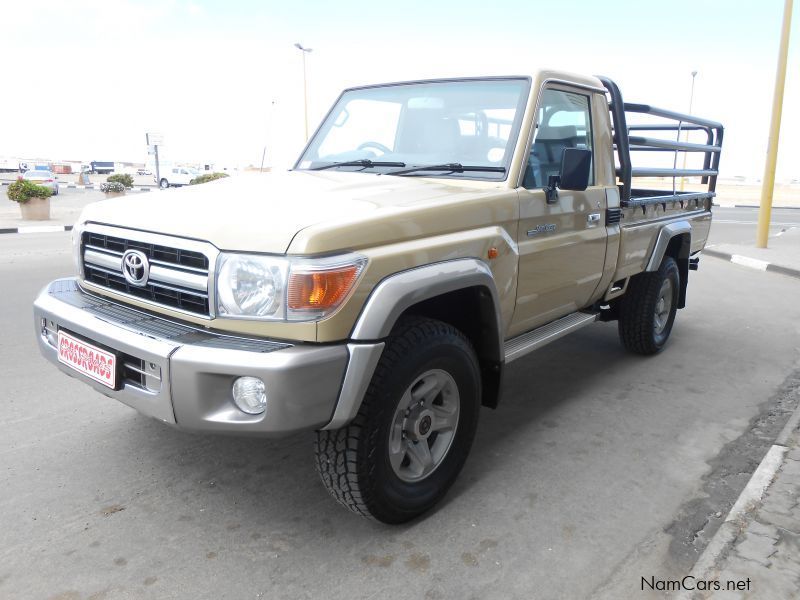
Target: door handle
593, 218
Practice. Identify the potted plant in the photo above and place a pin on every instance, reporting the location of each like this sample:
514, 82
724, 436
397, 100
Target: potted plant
34, 200
112, 189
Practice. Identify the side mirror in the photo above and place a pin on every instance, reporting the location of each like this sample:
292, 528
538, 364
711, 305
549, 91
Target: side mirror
576, 165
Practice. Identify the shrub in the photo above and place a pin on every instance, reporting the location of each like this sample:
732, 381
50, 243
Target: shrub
112, 187
208, 177
123, 178
23, 190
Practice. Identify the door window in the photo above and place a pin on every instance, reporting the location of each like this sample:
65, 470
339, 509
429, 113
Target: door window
564, 121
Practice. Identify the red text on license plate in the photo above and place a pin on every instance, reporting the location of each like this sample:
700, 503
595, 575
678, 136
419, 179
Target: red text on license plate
87, 359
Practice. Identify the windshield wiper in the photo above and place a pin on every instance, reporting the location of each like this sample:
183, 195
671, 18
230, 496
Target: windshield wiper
366, 163
450, 167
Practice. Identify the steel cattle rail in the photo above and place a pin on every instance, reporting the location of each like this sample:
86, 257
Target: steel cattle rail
625, 143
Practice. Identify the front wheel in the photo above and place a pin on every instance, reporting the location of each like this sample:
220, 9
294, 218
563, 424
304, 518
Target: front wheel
163, 184
648, 308
414, 429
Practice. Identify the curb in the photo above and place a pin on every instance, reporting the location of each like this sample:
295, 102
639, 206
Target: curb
90, 186
36, 229
753, 263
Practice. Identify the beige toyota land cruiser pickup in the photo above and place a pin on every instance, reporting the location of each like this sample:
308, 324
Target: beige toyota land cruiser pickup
430, 233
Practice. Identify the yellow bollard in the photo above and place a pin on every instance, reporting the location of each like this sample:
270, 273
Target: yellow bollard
768, 183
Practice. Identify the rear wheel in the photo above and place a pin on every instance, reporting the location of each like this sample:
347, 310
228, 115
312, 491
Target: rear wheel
648, 308
414, 429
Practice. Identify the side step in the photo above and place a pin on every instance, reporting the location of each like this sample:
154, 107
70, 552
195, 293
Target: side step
541, 336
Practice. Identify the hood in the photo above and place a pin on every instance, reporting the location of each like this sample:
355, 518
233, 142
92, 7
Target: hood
264, 212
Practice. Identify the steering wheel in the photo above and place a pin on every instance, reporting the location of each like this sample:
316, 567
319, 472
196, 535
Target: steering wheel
376, 145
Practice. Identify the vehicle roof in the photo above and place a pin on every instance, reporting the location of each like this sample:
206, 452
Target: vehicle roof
540, 75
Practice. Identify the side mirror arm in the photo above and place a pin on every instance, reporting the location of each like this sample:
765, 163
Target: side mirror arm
551, 191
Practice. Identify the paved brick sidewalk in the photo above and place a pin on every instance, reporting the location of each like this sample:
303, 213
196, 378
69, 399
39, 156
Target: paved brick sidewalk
767, 551
764, 558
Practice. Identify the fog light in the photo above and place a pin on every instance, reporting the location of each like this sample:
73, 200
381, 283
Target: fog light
250, 395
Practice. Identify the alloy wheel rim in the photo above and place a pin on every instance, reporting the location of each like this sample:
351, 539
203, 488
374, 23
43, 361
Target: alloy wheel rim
424, 425
663, 307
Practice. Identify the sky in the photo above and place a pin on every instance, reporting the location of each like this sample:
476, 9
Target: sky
222, 80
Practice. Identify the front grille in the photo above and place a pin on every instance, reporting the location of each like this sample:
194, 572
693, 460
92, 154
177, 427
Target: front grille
155, 252
178, 276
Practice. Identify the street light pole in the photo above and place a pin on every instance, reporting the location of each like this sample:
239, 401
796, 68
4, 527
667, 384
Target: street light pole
304, 51
691, 100
768, 183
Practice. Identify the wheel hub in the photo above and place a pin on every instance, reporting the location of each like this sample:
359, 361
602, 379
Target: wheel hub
419, 424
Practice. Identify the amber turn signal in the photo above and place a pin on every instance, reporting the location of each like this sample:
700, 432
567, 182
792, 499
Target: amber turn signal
320, 290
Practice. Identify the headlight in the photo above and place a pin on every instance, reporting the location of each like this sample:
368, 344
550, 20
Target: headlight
251, 286
281, 289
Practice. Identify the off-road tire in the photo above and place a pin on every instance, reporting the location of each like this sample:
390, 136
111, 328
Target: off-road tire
353, 461
637, 311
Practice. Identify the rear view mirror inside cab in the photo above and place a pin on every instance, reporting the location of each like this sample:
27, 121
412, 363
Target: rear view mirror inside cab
425, 102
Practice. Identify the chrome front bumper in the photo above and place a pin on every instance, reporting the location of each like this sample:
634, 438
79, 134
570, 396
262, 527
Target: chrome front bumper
183, 375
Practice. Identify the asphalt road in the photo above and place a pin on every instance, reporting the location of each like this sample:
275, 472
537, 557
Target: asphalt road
738, 225
599, 468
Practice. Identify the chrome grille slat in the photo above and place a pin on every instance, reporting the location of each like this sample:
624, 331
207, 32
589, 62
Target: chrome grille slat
103, 250
179, 267
158, 272
179, 275
153, 280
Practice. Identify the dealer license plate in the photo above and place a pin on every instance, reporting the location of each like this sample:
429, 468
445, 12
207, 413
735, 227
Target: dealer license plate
88, 360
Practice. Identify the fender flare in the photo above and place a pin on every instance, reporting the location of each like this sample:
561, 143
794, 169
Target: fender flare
390, 298
666, 234
398, 292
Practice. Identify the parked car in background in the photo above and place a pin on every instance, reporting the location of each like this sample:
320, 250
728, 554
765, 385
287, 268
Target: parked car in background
176, 176
45, 178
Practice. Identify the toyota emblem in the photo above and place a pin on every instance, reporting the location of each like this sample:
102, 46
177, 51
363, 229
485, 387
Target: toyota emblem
135, 267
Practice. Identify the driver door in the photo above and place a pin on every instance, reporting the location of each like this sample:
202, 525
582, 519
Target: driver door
562, 244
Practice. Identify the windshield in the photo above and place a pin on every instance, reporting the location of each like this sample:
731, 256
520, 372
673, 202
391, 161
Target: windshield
468, 122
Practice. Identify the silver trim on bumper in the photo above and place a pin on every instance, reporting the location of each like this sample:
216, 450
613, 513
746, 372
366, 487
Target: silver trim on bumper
182, 375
